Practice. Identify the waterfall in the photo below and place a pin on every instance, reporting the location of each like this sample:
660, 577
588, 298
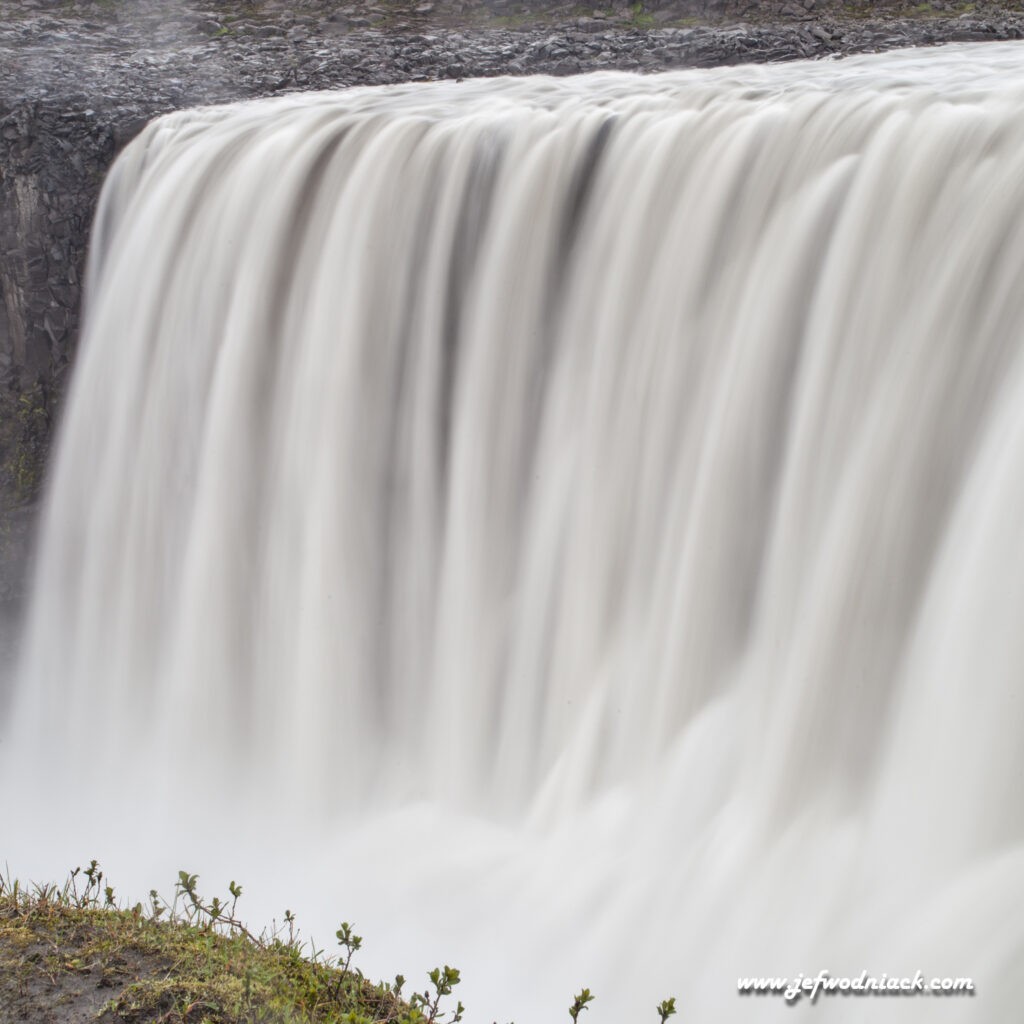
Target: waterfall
571, 527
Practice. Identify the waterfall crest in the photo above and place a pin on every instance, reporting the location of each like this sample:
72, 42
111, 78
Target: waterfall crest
614, 482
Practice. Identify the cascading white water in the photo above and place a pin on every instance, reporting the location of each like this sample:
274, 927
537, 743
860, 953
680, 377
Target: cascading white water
571, 526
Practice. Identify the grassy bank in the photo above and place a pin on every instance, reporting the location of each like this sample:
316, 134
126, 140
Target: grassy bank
71, 954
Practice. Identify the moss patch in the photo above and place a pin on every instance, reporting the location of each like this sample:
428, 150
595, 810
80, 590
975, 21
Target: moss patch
68, 956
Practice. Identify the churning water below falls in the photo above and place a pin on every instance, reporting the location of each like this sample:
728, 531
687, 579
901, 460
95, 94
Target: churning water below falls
573, 529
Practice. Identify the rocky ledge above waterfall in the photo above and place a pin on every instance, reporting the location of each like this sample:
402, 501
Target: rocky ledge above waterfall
107, 54
79, 79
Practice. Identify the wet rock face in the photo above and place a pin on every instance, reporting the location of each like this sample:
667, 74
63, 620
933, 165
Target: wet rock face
52, 163
51, 166
78, 80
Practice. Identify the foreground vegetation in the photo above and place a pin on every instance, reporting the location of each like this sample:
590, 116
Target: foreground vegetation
70, 953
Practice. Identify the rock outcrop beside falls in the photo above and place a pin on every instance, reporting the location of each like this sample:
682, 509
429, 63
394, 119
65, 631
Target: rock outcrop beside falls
78, 80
